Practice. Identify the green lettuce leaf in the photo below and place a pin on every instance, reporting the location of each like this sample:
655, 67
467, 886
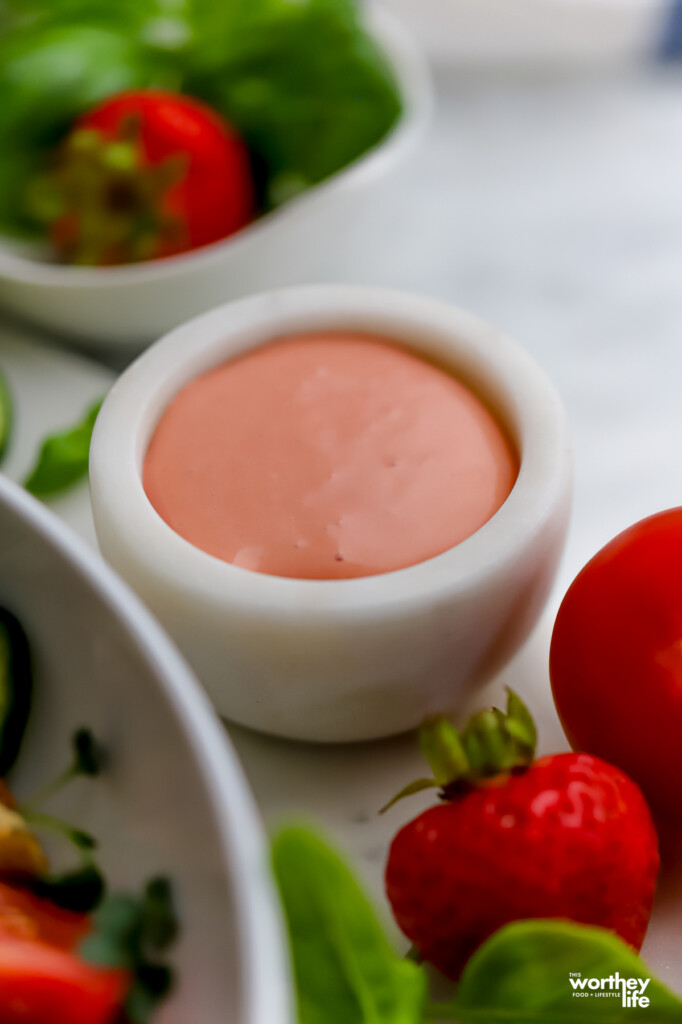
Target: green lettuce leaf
346, 970
63, 458
522, 975
305, 85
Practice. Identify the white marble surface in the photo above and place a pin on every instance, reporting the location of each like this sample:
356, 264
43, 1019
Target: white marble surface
552, 207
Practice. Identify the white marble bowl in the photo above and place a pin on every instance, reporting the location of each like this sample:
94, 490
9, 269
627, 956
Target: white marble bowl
337, 660
301, 241
173, 799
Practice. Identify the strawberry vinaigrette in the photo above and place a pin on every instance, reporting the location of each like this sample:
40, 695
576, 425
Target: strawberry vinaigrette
327, 456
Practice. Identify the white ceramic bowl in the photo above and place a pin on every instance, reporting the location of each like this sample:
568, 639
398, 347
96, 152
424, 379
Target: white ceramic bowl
299, 242
336, 660
173, 800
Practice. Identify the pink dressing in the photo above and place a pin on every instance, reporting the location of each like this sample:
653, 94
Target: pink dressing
327, 456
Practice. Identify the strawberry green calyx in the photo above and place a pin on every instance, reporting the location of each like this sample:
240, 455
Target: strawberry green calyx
104, 202
493, 742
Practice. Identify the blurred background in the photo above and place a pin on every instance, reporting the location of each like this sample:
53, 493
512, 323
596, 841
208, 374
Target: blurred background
538, 33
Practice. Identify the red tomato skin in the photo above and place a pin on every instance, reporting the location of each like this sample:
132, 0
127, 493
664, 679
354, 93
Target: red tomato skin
216, 196
616, 658
26, 916
43, 985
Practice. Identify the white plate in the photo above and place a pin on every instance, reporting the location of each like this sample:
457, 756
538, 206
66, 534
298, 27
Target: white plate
174, 800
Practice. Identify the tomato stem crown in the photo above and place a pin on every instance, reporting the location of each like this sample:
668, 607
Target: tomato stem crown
493, 742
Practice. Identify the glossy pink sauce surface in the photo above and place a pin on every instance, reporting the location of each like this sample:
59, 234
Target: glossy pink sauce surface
327, 456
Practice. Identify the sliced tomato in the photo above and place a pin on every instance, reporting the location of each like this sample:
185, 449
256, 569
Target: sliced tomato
26, 916
40, 984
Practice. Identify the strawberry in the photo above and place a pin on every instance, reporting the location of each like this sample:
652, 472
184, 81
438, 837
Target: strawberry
143, 175
564, 836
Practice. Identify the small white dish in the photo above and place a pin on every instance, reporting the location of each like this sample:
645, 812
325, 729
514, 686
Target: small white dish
173, 800
338, 660
299, 242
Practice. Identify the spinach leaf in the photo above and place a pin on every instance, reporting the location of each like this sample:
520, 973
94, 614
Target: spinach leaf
216, 27
306, 86
6, 416
522, 976
16, 688
128, 14
49, 77
346, 971
303, 82
63, 458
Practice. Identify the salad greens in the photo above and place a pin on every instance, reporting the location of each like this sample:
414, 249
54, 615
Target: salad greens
347, 973
63, 457
130, 932
303, 82
306, 87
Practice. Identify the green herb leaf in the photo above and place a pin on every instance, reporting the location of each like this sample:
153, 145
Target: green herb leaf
304, 84
88, 760
6, 416
63, 458
151, 985
522, 975
159, 926
83, 841
16, 689
80, 891
114, 940
128, 931
89, 756
345, 968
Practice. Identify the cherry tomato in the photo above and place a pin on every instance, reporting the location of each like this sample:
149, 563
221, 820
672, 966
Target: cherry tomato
43, 985
616, 658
